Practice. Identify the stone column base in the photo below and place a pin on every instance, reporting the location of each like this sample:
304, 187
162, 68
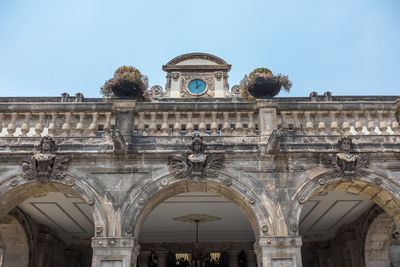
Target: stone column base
278, 251
114, 252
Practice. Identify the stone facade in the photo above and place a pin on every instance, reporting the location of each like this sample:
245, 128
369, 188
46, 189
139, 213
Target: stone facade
274, 160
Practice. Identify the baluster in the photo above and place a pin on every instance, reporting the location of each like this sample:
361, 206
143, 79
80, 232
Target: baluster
52, 124
239, 124
25, 126
189, 124
107, 125
371, 122
202, 124
321, 123
79, 126
11, 126
296, 122
140, 124
358, 125
39, 127
251, 126
177, 125
334, 123
309, 124
164, 125
345, 124
1, 122
382, 122
226, 127
214, 124
395, 124
66, 127
153, 125
93, 126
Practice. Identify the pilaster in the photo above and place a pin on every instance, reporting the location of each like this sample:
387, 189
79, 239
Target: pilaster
114, 252
125, 118
278, 251
267, 113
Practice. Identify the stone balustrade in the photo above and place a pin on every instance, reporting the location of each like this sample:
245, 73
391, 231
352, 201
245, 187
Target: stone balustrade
296, 116
34, 119
211, 123
327, 119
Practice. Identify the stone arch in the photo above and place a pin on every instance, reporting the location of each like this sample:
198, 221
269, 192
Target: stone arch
260, 211
14, 189
14, 243
378, 241
377, 187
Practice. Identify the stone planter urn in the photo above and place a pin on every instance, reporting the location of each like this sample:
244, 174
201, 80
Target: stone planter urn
128, 90
264, 88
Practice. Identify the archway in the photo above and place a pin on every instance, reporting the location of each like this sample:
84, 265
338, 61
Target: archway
197, 228
264, 218
330, 213
59, 218
261, 212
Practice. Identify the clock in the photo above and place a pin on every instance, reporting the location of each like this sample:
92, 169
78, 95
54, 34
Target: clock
197, 87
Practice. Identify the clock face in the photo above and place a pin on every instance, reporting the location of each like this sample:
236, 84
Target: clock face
197, 87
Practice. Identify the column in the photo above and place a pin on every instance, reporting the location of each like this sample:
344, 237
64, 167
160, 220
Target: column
251, 258
233, 257
278, 251
144, 258
162, 258
125, 119
114, 252
267, 116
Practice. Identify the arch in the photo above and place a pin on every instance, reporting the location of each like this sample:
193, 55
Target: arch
15, 245
260, 211
14, 189
378, 240
377, 187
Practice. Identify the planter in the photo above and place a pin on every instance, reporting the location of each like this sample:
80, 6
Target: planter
127, 89
264, 88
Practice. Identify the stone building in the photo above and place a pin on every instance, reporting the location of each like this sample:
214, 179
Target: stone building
200, 177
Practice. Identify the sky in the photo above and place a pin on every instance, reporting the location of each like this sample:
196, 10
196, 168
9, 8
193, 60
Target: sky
348, 47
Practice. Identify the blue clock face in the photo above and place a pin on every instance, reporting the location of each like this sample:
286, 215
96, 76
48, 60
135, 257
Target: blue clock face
197, 87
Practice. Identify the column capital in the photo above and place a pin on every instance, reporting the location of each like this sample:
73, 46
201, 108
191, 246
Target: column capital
278, 242
267, 103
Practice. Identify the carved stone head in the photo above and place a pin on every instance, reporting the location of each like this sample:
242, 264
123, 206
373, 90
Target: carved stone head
197, 144
345, 143
47, 145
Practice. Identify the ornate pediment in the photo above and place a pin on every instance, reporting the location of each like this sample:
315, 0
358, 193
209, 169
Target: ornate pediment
45, 165
197, 165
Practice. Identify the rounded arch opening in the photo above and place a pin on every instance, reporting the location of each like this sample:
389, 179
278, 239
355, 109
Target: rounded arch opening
259, 210
330, 214
61, 215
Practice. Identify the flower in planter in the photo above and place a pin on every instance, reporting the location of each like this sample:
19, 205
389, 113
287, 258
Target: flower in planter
127, 83
261, 83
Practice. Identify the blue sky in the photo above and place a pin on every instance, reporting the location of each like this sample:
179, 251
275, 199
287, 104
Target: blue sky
349, 47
